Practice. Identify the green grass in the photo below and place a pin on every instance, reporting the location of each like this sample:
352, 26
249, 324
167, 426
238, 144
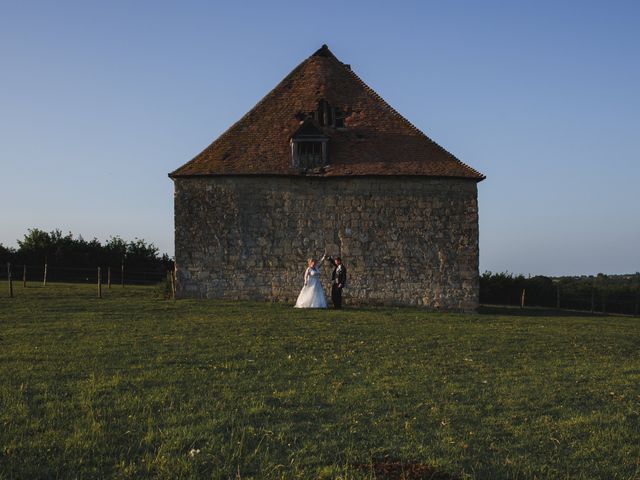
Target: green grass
128, 386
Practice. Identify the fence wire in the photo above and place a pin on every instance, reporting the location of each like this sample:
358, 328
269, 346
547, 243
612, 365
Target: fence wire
599, 301
65, 274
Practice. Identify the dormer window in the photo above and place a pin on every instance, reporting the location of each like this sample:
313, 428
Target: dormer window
309, 147
328, 116
310, 154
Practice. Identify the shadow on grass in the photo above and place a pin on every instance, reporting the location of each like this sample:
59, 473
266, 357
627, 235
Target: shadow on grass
514, 311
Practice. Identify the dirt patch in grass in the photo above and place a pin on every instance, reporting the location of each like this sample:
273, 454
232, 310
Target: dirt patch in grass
392, 469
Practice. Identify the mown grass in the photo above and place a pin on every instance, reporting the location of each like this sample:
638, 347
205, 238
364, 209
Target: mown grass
133, 386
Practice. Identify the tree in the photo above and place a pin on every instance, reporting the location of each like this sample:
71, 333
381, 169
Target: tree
67, 250
6, 254
35, 243
140, 253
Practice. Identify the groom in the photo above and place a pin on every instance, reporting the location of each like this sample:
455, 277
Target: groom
338, 279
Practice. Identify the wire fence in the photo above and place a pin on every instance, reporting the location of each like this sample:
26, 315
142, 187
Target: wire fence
110, 276
597, 302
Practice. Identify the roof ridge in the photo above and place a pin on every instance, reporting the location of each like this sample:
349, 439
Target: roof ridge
324, 51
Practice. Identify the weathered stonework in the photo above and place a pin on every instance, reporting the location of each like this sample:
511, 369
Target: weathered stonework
404, 240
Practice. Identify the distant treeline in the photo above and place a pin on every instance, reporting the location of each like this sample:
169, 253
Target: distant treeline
599, 293
58, 250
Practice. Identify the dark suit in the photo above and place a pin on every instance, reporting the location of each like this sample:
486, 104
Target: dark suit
338, 280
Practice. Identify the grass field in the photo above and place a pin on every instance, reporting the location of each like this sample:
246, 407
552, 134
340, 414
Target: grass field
133, 386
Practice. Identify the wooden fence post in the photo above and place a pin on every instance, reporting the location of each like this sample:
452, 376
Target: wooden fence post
24, 276
109, 277
122, 273
99, 283
522, 299
9, 278
635, 306
44, 282
173, 284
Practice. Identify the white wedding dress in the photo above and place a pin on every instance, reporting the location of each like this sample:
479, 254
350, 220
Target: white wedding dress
312, 294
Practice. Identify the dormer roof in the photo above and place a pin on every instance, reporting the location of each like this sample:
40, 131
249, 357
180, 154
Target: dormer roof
308, 128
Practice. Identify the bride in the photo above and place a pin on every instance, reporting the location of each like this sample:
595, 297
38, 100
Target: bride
312, 294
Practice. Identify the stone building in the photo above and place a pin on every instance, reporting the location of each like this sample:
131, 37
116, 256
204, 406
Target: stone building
323, 163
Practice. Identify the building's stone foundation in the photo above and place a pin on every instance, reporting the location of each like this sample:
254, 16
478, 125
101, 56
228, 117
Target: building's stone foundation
404, 240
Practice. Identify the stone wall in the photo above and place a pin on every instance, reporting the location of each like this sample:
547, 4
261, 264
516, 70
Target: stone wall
404, 240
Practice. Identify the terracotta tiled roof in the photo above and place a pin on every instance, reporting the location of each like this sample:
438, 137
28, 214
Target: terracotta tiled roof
375, 139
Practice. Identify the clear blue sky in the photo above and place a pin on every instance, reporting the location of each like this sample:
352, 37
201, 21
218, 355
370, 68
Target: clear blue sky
100, 100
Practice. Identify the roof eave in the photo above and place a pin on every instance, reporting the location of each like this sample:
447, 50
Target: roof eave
174, 175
